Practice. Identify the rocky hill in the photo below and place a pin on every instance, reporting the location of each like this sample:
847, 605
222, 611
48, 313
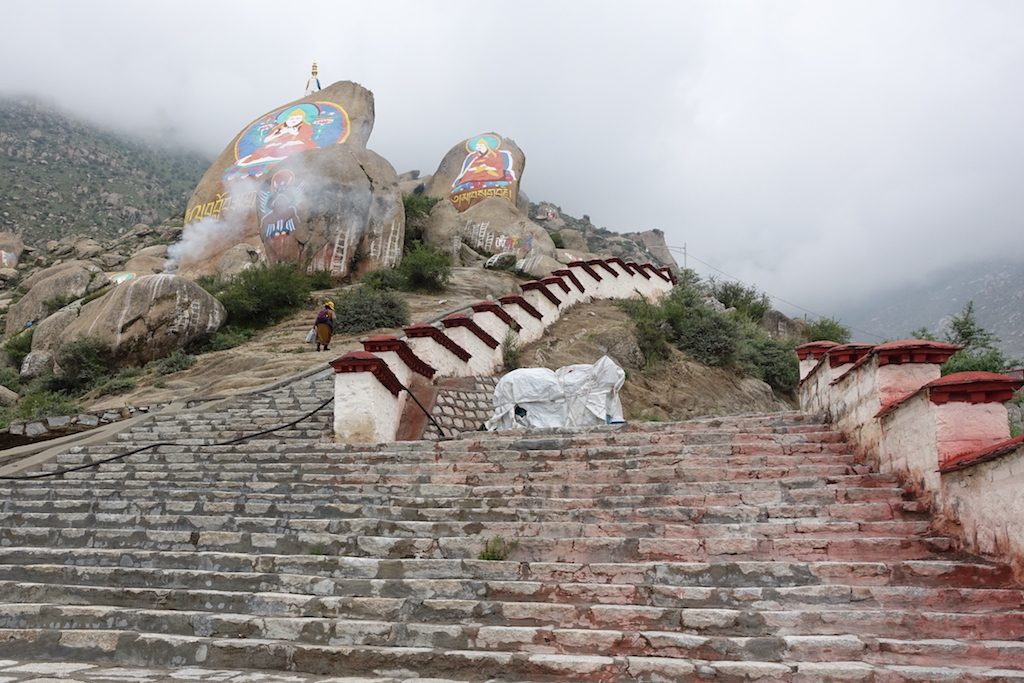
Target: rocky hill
997, 290
63, 176
580, 236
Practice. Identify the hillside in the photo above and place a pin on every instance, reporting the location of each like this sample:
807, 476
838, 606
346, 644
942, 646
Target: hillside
997, 290
63, 176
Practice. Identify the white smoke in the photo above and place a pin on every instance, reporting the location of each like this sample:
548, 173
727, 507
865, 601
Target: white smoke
213, 234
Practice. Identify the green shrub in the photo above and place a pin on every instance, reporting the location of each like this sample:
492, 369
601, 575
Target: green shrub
321, 279
385, 279
826, 329
119, 384
496, 549
770, 360
426, 269
176, 362
748, 301
84, 364
708, 336
10, 378
38, 404
510, 350
979, 351
361, 309
258, 297
18, 346
227, 337
58, 302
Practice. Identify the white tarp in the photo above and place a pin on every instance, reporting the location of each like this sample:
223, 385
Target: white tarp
573, 396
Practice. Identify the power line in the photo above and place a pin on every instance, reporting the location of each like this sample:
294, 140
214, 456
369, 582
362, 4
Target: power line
689, 254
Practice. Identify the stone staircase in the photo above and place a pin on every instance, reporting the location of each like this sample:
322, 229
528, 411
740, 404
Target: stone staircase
741, 548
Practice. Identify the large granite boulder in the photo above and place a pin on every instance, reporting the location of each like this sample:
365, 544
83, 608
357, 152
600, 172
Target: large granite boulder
52, 288
147, 261
492, 226
480, 167
299, 183
11, 249
147, 318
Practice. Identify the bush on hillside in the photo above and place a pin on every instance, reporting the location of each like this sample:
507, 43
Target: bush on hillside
261, 296
681, 320
361, 309
426, 269
18, 346
84, 364
385, 279
979, 352
748, 301
37, 404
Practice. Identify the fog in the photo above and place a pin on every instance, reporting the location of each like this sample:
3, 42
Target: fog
819, 150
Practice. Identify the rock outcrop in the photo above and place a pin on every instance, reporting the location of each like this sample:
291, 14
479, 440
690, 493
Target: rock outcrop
148, 317
57, 284
480, 167
11, 249
492, 226
299, 184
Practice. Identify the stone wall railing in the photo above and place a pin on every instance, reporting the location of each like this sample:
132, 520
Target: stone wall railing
369, 384
946, 438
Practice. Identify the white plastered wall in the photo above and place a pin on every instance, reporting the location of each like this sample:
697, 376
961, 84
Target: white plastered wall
446, 363
365, 411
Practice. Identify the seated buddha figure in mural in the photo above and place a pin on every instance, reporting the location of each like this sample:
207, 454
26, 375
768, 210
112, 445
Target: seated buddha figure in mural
294, 134
485, 166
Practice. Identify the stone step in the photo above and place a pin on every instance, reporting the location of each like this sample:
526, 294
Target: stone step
550, 549
699, 634
863, 521
212, 472
473, 462
804, 516
944, 573
482, 600
157, 649
692, 496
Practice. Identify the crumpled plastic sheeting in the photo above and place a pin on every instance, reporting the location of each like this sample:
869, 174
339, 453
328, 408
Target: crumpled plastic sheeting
572, 396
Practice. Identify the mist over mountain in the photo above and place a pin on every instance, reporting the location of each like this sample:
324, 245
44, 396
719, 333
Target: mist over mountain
997, 289
62, 176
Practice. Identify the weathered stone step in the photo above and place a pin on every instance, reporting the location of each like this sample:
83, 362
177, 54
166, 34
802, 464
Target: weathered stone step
152, 649
581, 479
945, 573
796, 498
801, 515
535, 549
476, 463
485, 601
699, 634
860, 521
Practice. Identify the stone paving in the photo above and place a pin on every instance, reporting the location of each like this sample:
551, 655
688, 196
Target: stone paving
464, 406
75, 672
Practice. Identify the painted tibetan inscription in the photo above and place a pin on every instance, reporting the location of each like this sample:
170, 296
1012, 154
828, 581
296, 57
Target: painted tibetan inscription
280, 134
487, 171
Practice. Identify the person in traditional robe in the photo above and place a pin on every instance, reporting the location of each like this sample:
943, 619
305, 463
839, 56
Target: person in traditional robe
325, 326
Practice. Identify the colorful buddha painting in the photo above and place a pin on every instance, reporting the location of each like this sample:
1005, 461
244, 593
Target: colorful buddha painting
281, 134
487, 171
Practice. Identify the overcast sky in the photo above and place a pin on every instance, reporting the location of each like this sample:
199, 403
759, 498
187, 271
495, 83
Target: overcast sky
820, 150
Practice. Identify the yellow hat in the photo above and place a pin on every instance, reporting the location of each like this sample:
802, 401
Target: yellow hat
329, 304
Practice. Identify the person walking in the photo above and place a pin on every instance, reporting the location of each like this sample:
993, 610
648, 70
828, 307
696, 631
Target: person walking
325, 326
